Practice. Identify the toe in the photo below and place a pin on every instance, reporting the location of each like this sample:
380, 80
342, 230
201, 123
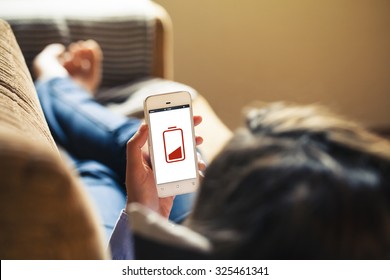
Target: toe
95, 48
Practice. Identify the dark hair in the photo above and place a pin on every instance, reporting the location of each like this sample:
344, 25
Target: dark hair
297, 183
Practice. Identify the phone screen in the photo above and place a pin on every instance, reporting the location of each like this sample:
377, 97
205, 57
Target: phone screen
173, 145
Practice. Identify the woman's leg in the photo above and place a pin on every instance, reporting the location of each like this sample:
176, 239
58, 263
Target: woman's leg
84, 128
105, 191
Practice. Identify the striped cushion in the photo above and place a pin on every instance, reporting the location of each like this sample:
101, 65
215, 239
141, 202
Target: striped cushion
125, 34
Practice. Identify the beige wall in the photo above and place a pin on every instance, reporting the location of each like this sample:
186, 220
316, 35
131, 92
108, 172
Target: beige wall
334, 52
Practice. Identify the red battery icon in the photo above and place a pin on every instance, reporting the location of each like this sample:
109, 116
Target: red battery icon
174, 144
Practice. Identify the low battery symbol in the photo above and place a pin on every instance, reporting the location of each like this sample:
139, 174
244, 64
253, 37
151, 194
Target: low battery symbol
174, 144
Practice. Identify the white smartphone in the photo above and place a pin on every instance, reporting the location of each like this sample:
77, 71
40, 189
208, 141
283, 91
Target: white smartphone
172, 145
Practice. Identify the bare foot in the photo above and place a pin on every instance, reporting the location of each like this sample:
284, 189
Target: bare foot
47, 64
83, 61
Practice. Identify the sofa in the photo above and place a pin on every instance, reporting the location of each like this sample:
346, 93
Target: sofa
45, 212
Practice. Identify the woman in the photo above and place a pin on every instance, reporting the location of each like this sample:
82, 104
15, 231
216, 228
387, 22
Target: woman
298, 182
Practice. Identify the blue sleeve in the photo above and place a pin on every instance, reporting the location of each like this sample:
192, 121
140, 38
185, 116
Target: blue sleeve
121, 241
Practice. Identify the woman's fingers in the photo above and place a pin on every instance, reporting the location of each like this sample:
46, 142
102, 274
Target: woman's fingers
201, 163
197, 120
198, 140
134, 148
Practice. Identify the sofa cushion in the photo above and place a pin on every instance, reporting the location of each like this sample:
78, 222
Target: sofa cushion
124, 29
128, 99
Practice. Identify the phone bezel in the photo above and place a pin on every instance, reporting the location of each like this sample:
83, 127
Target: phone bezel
167, 100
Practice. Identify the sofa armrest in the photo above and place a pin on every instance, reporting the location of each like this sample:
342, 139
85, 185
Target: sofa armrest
44, 212
20, 111
163, 48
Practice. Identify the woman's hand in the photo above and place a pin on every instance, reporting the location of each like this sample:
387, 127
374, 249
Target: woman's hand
140, 183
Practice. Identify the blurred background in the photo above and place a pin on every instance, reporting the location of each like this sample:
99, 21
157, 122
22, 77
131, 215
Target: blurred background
333, 52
